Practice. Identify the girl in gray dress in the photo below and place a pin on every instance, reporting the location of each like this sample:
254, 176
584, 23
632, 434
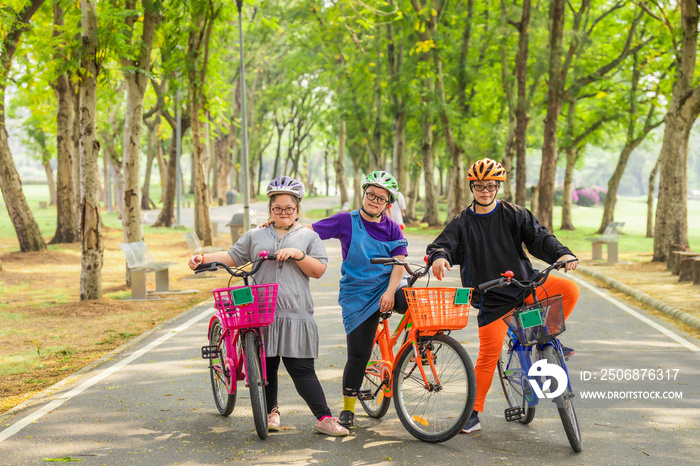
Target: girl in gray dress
293, 336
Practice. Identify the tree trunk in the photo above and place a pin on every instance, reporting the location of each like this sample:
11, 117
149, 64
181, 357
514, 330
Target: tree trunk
136, 84
412, 198
49, 179
162, 165
571, 156
151, 143
549, 147
395, 61
66, 208
202, 222
650, 200
428, 157
671, 224
91, 241
166, 217
339, 165
521, 117
23, 221
378, 160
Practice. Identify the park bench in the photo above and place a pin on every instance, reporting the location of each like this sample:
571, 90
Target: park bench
610, 237
140, 262
195, 244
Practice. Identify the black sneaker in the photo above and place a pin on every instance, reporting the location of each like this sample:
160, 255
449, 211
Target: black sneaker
347, 419
568, 352
472, 424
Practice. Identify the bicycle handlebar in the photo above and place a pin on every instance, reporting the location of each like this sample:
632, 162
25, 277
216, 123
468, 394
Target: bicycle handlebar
507, 278
420, 271
236, 271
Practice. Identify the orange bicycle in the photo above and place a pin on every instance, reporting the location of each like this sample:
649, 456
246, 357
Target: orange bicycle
431, 377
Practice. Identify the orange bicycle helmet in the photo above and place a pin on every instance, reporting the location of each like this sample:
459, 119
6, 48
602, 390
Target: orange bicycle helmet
486, 170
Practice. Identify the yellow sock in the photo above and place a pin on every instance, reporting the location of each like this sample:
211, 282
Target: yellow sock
349, 404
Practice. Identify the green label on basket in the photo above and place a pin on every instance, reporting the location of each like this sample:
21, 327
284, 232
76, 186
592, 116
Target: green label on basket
531, 318
462, 296
241, 296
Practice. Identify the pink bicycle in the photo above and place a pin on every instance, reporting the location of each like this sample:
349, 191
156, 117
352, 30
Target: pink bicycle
236, 350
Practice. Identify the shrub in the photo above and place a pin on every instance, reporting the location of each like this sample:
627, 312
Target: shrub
602, 193
587, 197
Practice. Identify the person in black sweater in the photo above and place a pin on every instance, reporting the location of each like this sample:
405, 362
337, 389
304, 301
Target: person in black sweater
485, 240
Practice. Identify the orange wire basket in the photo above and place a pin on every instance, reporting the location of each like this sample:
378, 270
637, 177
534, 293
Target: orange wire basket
434, 309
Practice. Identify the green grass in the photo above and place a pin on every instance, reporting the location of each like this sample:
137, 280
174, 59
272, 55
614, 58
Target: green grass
12, 316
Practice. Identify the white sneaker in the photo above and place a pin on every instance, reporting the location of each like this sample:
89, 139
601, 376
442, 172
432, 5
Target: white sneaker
329, 426
273, 420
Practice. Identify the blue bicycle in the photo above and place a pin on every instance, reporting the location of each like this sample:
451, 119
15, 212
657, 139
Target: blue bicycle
532, 365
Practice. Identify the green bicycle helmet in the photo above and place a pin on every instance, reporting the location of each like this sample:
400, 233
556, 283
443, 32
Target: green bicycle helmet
383, 180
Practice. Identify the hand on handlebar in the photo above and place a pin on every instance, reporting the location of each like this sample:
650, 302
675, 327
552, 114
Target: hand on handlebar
195, 261
569, 265
439, 267
289, 253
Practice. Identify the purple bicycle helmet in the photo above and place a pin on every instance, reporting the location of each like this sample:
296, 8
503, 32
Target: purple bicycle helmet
285, 185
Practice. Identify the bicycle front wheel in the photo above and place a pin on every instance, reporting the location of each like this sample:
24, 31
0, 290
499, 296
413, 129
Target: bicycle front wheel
219, 374
256, 384
434, 410
377, 405
564, 402
514, 381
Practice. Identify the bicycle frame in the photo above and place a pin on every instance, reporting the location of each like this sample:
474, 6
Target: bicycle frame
386, 341
235, 360
524, 355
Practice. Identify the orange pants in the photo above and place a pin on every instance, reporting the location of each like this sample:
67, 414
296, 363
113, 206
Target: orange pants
492, 336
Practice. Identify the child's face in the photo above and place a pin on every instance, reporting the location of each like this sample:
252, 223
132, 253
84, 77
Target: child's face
283, 210
379, 199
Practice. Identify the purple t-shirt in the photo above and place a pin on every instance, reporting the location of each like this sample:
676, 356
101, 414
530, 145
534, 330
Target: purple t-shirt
340, 226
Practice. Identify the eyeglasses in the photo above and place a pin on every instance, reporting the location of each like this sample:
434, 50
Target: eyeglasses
373, 197
489, 187
286, 210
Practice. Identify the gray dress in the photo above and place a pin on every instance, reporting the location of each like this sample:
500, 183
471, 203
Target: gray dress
294, 332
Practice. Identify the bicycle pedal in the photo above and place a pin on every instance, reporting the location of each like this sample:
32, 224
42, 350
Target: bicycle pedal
210, 352
365, 395
514, 414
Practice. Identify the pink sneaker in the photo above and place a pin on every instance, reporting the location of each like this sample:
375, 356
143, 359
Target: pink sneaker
273, 420
329, 426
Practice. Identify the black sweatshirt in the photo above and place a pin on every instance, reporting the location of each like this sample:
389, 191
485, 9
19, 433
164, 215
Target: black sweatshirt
486, 245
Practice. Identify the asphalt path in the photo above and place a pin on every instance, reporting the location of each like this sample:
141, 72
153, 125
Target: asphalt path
150, 402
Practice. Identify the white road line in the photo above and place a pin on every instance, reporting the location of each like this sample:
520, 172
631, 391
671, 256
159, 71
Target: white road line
19, 425
639, 316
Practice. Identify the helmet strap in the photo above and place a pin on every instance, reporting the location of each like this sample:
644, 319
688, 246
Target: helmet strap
373, 216
474, 201
284, 228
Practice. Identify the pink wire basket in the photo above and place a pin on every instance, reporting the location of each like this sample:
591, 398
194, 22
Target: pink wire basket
259, 313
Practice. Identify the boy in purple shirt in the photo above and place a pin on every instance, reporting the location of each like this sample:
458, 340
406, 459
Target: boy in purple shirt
365, 289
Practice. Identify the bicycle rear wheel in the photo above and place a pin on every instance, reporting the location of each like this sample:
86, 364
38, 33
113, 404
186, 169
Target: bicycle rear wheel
219, 375
516, 388
256, 384
564, 402
377, 405
436, 412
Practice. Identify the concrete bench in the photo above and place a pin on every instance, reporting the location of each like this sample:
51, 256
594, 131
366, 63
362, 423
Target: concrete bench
610, 237
140, 262
195, 244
